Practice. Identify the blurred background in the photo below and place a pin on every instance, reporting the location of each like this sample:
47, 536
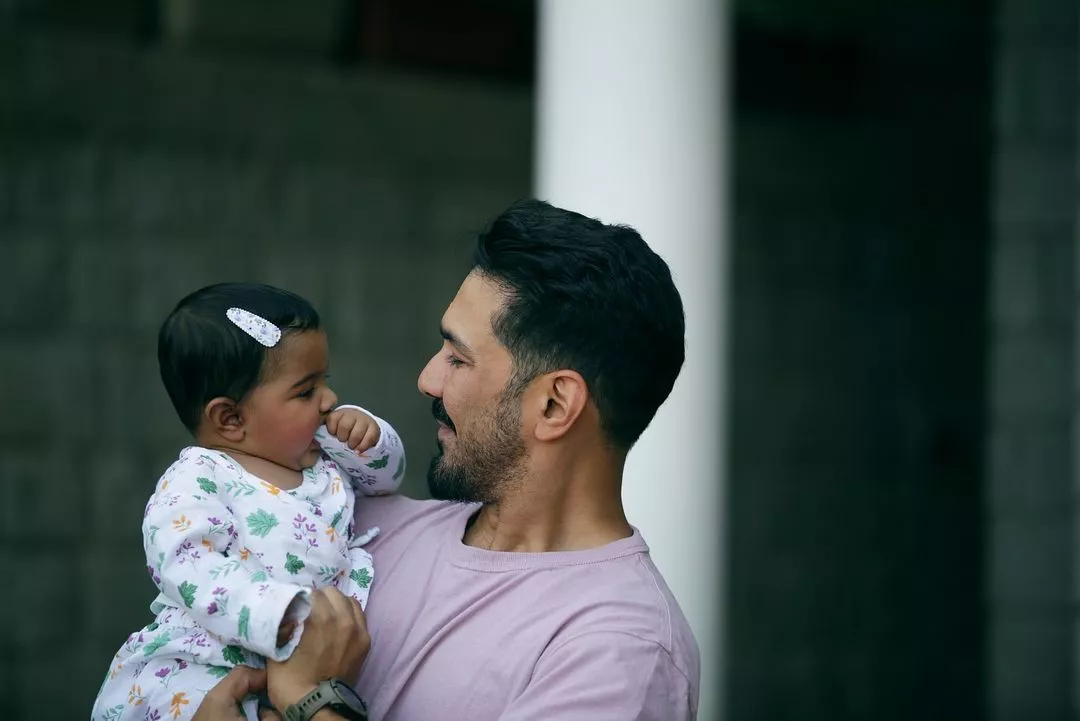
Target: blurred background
899, 523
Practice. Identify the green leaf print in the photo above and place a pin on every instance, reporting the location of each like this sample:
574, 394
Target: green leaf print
233, 655
337, 517
153, 533
153, 626
207, 485
400, 468
260, 523
221, 671
327, 574
361, 577
380, 462
242, 625
113, 713
160, 640
225, 569
258, 577
293, 564
187, 592
239, 488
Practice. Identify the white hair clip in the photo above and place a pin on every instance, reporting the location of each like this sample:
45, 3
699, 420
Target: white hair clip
262, 330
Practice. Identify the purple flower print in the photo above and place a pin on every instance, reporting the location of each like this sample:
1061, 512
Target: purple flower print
181, 665
212, 608
152, 715
196, 640
186, 552
164, 672
305, 531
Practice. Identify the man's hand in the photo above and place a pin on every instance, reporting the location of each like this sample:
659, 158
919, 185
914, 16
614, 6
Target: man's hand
334, 645
223, 701
354, 428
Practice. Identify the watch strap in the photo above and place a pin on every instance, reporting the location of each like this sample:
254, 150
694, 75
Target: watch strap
322, 696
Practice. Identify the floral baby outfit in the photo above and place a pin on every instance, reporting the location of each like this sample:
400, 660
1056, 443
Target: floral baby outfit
233, 556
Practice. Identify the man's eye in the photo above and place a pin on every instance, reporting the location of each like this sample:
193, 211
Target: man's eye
454, 361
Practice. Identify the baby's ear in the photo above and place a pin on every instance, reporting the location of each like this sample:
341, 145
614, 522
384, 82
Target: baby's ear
222, 416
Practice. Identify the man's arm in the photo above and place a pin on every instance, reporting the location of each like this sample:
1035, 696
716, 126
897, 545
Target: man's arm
607, 676
334, 644
223, 701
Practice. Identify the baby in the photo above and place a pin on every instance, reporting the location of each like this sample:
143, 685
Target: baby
259, 511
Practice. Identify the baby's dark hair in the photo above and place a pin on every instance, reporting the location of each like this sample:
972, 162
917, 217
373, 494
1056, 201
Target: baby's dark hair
203, 355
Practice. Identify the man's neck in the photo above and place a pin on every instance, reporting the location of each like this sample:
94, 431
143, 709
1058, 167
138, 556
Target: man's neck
559, 509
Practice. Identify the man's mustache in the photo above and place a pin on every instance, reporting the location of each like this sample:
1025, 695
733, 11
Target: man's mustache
439, 412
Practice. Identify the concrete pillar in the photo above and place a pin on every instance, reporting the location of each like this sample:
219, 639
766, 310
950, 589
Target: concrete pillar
631, 129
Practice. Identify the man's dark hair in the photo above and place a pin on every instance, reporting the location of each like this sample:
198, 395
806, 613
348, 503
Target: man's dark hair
589, 297
203, 355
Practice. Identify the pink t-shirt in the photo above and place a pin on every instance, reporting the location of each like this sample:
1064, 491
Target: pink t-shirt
461, 633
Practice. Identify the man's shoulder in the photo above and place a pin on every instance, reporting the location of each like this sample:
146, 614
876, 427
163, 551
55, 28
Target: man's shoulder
630, 597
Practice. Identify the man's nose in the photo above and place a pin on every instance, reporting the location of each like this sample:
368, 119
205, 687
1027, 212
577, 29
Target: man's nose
430, 380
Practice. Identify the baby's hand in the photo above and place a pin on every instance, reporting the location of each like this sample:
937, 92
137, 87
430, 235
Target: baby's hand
354, 428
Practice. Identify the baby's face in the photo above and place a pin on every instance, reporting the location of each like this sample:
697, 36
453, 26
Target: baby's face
282, 414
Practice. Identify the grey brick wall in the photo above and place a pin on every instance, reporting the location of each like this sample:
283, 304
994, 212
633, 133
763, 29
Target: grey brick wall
857, 389
130, 176
1030, 503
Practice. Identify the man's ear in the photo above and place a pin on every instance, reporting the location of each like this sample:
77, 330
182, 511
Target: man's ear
564, 395
222, 416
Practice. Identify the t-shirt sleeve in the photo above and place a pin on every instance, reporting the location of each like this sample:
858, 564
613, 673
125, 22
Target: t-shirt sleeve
606, 676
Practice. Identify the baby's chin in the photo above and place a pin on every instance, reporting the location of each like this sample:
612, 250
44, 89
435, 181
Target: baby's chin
310, 457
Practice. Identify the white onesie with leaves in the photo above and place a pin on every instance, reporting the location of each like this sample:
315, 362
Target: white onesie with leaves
233, 556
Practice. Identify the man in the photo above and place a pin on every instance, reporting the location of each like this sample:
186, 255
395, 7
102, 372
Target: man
523, 593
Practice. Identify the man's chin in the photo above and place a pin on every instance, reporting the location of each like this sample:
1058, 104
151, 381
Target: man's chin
445, 484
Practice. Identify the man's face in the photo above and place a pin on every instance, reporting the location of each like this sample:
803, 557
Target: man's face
481, 449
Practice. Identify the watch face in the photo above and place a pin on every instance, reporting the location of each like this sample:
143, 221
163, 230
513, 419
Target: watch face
345, 692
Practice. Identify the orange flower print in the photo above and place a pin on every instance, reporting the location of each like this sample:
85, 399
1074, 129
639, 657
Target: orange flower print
178, 700
331, 533
335, 486
182, 523
244, 554
270, 488
206, 544
135, 695
164, 484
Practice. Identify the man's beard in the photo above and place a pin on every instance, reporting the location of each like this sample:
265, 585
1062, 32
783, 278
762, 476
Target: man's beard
485, 462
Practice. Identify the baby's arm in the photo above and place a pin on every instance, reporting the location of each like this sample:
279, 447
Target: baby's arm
370, 453
195, 558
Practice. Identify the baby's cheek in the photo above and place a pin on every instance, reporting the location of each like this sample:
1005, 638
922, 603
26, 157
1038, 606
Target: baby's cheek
298, 435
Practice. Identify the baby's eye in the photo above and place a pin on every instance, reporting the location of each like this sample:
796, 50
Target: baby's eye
306, 394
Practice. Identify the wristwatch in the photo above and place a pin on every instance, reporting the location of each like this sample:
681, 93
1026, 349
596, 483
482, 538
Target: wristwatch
333, 694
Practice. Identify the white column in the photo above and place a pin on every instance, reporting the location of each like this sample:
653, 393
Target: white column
631, 129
